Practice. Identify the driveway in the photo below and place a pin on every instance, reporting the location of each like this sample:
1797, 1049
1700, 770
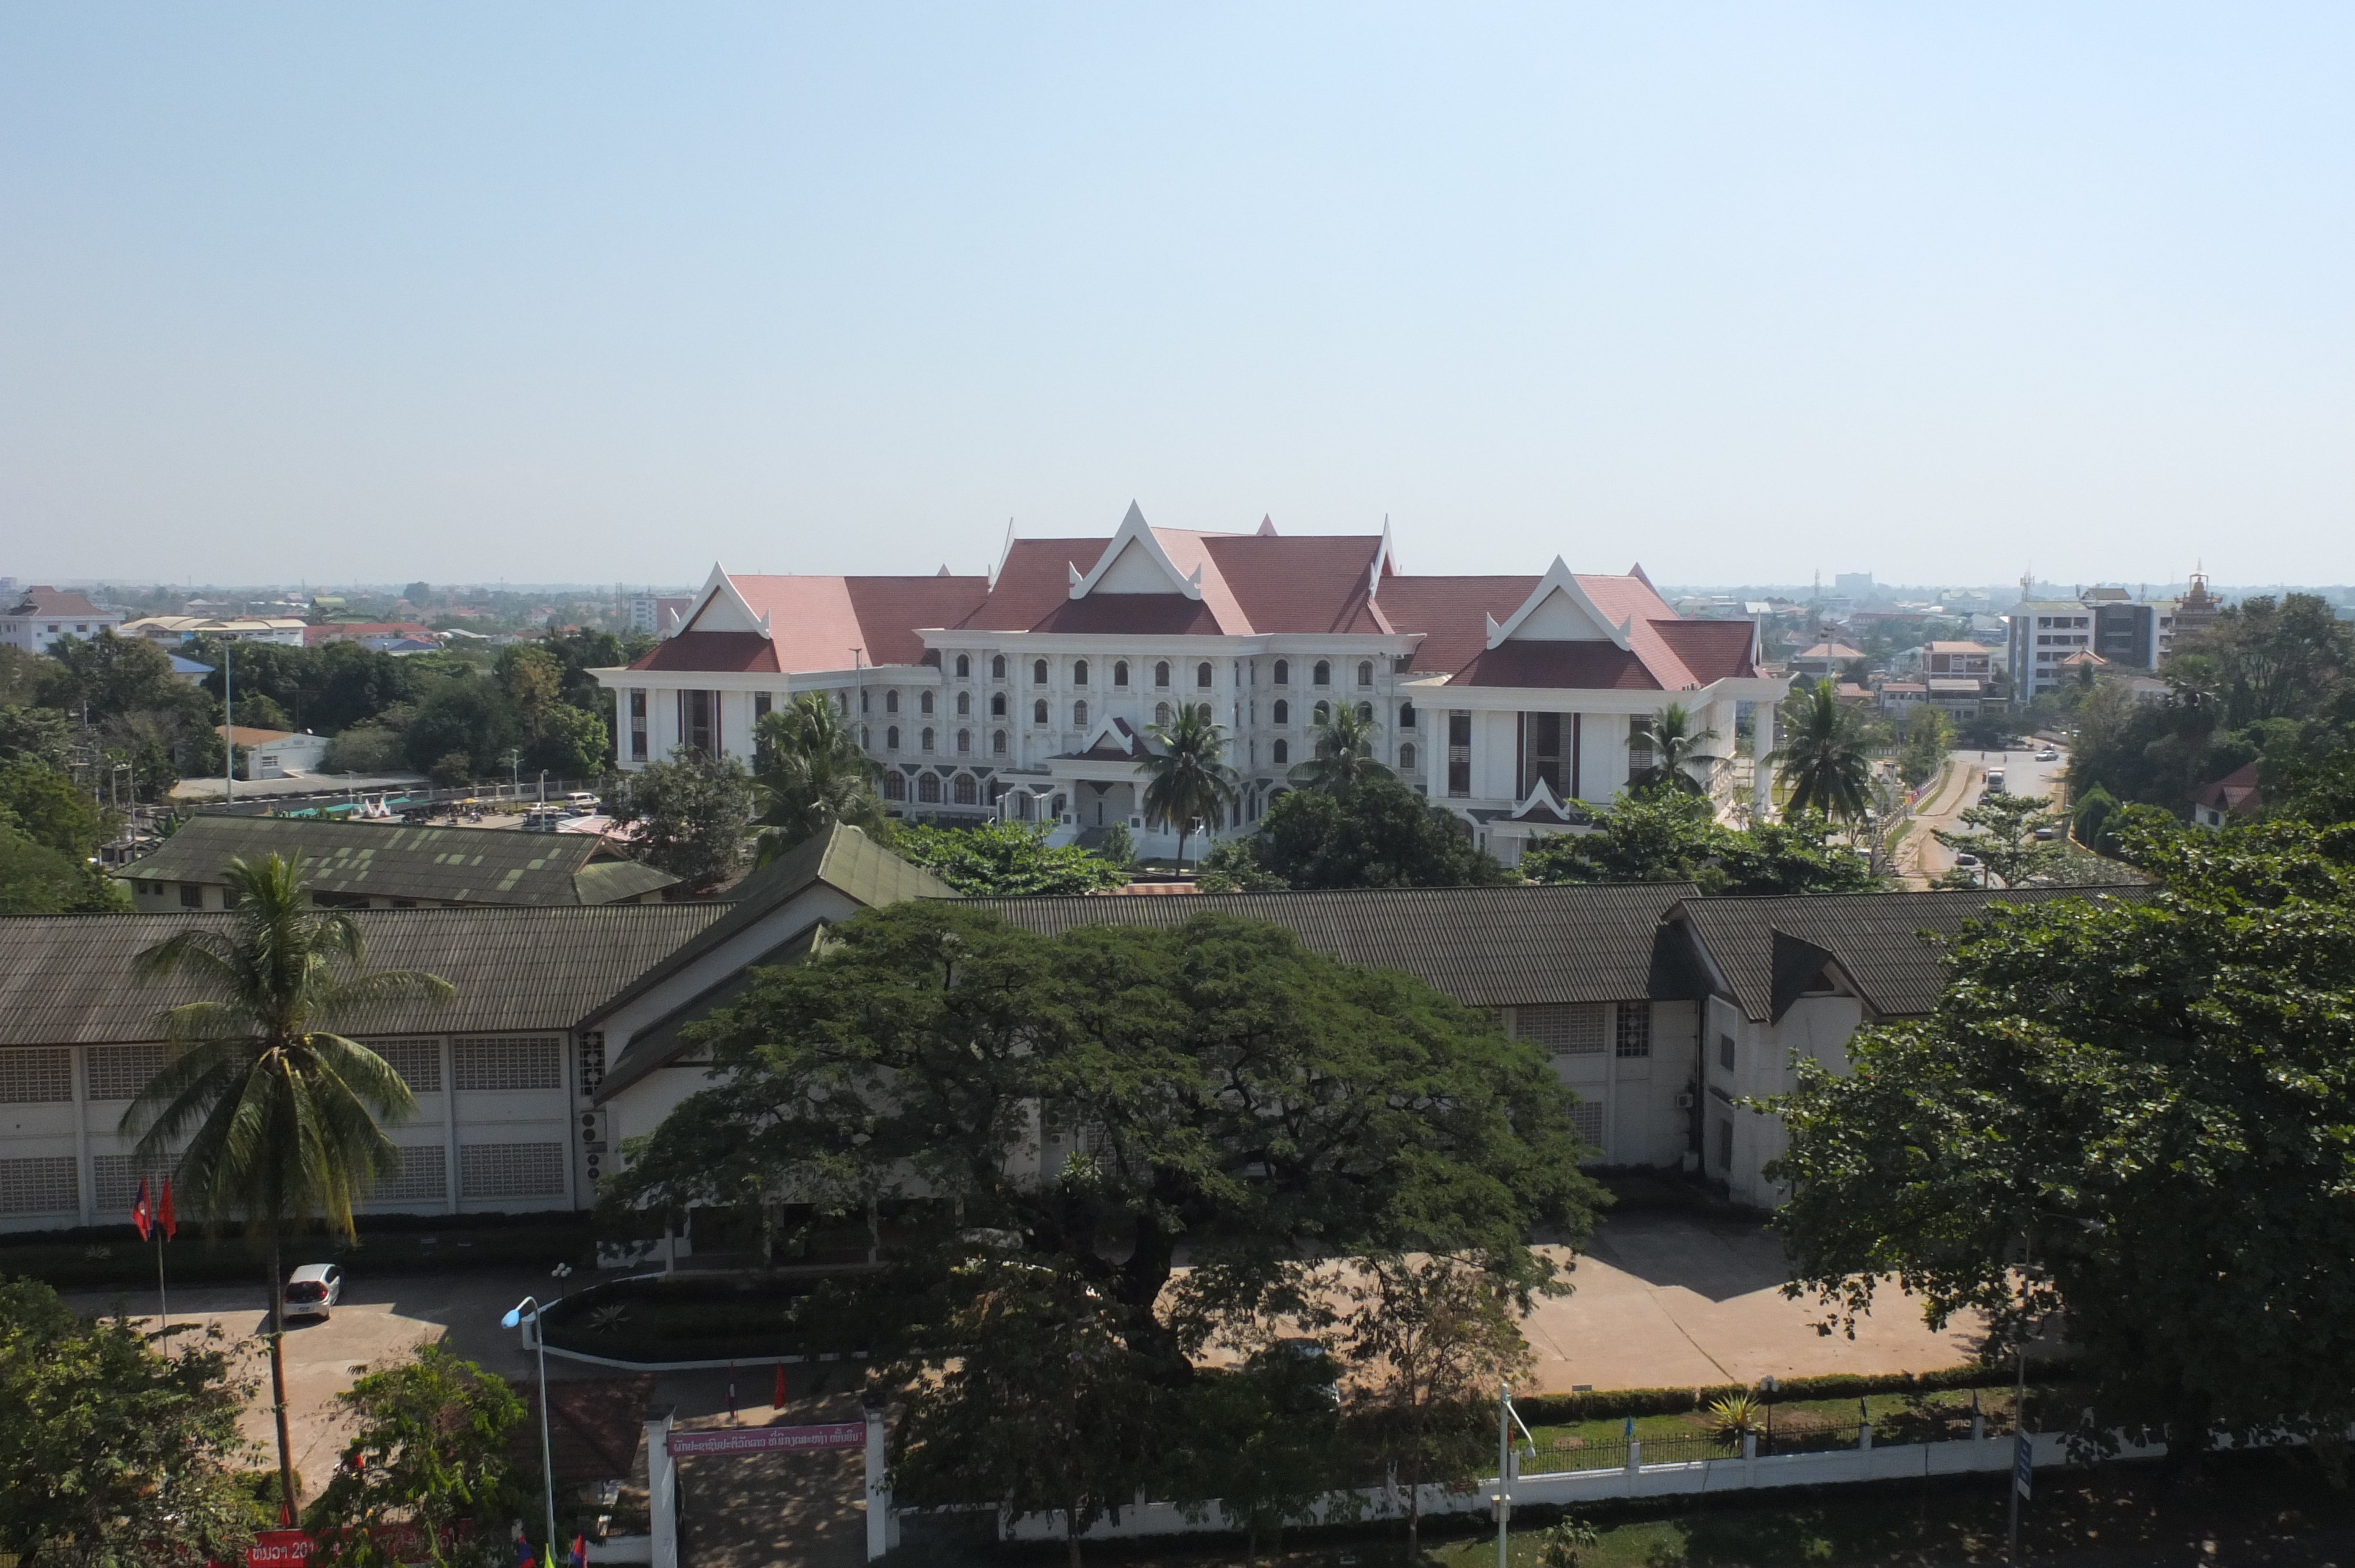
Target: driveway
1673, 1301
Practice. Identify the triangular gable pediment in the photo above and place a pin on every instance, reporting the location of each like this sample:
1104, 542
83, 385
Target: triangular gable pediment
1559, 610
717, 607
1134, 563
1543, 805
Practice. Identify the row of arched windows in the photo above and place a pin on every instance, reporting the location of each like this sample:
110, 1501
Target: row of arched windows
963, 790
1320, 674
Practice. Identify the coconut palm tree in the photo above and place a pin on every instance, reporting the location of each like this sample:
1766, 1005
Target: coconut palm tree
1822, 759
1676, 748
282, 1118
1187, 773
810, 774
1344, 742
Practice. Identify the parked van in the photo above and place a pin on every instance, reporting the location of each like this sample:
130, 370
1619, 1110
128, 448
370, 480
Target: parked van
1995, 781
583, 803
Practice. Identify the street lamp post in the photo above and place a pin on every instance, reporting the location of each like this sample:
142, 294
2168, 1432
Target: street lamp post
516, 1316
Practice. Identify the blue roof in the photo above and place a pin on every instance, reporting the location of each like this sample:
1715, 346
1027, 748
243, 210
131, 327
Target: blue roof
189, 667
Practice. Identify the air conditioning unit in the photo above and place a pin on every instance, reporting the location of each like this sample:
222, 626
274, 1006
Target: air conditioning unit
1685, 1101
595, 1128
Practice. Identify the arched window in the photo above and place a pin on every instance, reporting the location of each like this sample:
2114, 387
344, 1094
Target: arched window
965, 703
1284, 671
1119, 671
1079, 716
1161, 713
891, 738
965, 742
964, 667
1282, 711
890, 701
1055, 807
928, 738
841, 702
1203, 713
866, 740
1037, 671
864, 698
1366, 711
1079, 672
895, 786
1161, 673
1038, 711
967, 792
1406, 757
1324, 713
998, 744
1365, 673
1203, 676
998, 667
1282, 752
997, 705
1406, 715
928, 788
1323, 673
924, 702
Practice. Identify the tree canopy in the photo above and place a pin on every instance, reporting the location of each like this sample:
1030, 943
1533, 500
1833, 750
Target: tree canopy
2152, 1101
693, 815
1004, 860
809, 774
1667, 835
1377, 833
1216, 1082
1822, 760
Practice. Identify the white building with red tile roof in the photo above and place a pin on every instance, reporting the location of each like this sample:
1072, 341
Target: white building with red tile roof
39, 617
1030, 693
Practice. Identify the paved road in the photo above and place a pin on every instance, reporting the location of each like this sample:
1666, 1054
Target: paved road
2023, 775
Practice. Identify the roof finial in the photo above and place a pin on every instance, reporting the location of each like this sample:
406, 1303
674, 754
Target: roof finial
1267, 526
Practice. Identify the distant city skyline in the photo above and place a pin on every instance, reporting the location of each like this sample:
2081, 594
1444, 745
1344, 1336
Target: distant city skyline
1742, 295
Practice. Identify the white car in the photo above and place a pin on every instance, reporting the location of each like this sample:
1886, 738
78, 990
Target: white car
311, 1290
2048, 754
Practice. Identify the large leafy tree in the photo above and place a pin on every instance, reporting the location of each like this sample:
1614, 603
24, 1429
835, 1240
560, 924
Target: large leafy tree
431, 1450
1031, 1398
112, 1454
280, 1118
2153, 1102
1378, 834
1342, 742
1667, 836
49, 807
811, 774
1215, 1084
693, 813
1004, 860
1679, 745
1188, 780
2001, 830
1823, 759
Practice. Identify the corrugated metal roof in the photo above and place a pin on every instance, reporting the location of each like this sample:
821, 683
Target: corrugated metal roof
1488, 947
1876, 938
843, 858
472, 865
66, 979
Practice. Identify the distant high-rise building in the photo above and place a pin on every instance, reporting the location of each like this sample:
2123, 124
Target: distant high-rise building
1856, 586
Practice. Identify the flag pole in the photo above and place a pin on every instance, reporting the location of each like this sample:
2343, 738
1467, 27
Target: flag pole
163, 1305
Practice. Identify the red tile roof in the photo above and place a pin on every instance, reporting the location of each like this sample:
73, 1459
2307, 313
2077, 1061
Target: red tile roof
730, 653
54, 601
2236, 792
353, 631
1577, 666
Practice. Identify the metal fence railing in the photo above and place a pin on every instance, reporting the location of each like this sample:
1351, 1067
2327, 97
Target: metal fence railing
1802, 1436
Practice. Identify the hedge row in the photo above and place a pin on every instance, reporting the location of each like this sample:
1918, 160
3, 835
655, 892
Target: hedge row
1564, 1409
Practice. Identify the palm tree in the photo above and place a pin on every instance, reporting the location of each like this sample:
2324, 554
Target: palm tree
1188, 777
283, 1117
1676, 747
1822, 757
1344, 751
810, 775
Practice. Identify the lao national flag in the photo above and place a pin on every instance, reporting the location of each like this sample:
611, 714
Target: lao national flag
579, 1556
143, 1218
163, 1217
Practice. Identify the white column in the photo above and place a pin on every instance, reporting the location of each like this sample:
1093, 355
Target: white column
879, 1530
662, 1490
1761, 741
450, 1123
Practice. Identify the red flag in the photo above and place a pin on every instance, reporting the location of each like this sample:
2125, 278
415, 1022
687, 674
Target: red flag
579, 1558
163, 1216
142, 1218
779, 1399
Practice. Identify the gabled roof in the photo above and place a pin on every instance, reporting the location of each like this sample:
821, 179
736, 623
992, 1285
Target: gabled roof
65, 979
2237, 792
1759, 945
466, 865
808, 624
1487, 947
55, 601
842, 858
1112, 741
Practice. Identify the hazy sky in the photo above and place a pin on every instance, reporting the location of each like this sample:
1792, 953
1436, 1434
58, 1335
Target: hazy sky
587, 292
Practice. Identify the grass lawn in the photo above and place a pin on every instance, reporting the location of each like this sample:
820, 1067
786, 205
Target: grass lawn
2247, 1510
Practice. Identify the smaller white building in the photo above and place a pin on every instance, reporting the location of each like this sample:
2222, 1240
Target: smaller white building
38, 618
275, 753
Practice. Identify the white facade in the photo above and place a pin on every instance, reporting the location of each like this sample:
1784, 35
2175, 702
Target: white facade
37, 620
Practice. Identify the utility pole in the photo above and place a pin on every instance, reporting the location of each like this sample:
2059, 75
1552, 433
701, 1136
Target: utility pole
2022, 1456
1504, 1471
228, 724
